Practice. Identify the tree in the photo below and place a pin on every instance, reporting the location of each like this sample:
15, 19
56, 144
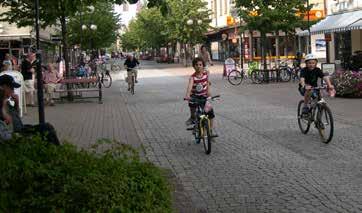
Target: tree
106, 21
147, 31
268, 16
179, 14
52, 13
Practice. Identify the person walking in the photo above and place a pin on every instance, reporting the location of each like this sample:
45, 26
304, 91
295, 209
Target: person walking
27, 69
205, 55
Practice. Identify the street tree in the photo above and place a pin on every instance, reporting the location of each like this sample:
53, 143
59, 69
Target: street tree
146, 31
187, 22
106, 20
52, 13
267, 16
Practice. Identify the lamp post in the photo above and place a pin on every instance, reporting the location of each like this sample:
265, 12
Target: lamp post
309, 35
91, 27
39, 73
191, 22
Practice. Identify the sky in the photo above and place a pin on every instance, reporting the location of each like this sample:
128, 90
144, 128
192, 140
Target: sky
126, 16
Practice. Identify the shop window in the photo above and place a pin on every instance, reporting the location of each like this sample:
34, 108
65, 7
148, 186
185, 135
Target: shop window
343, 48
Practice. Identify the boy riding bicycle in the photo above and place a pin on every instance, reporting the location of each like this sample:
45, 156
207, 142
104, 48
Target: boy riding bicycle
199, 87
309, 79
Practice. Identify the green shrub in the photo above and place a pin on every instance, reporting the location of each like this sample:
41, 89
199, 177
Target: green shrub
37, 177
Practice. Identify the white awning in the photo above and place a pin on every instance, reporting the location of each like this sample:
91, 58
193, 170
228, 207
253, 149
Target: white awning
336, 23
356, 25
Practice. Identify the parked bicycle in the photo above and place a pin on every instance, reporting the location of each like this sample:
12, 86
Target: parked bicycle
201, 128
287, 73
319, 114
105, 76
236, 76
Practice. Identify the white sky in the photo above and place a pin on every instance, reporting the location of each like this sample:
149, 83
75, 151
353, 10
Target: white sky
126, 17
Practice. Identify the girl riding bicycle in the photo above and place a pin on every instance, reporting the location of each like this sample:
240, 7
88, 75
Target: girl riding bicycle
199, 87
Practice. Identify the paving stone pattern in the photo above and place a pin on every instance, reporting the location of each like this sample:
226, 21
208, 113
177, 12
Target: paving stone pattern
260, 163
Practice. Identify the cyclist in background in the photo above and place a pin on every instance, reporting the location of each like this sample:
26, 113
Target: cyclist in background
130, 63
309, 79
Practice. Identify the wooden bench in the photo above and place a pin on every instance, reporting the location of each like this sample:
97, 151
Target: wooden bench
69, 86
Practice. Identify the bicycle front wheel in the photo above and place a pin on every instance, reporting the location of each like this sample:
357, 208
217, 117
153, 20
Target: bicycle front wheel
235, 77
303, 120
206, 136
132, 85
325, 123
107, 80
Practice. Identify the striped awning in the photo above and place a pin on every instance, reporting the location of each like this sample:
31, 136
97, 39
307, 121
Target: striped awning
336, 23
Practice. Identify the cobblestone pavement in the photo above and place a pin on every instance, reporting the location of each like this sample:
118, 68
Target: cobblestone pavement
260, 162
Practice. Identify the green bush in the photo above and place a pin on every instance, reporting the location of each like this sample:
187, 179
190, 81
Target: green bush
37, 177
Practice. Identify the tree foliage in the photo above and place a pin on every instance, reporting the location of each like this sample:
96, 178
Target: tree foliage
153, 29
271, 15
148, 30
103, 17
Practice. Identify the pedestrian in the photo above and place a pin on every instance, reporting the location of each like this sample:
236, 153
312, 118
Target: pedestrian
51, 78
27, 69
8, 61
205, 55
10, 121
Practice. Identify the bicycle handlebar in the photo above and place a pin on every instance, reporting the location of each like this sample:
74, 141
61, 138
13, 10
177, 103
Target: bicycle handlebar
208, 98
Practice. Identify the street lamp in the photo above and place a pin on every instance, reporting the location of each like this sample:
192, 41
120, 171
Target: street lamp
191, 22
309, 35
39, 73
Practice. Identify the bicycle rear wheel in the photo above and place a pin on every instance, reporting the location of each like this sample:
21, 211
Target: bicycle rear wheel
256, 77
325, 123
285, 76
303, 120
235, 77
107, 80
206, 136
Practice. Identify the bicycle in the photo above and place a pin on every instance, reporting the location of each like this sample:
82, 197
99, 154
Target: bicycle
201, 125
105, 76
132, 81
318, 109
236, 76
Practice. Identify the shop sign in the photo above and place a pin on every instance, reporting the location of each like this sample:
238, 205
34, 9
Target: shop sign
229, 65
329, 68
328, 37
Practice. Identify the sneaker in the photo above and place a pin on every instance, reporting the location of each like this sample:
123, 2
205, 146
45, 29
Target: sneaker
136, 81
305, 110
129, 89
189, 122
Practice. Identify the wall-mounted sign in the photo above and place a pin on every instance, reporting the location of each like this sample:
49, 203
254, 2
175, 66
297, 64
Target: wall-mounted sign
329, 68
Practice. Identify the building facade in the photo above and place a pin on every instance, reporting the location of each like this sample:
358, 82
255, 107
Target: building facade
340, 33
224, 42
18, 41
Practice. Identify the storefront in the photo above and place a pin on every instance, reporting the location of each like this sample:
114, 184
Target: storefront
340, 34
